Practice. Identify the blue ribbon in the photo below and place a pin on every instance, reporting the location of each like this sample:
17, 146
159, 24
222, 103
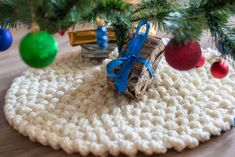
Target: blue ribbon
127, 62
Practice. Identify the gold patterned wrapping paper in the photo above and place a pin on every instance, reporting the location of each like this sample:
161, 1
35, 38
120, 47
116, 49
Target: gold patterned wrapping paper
87, 37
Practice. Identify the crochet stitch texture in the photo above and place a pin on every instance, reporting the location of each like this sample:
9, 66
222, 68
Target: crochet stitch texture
69, 106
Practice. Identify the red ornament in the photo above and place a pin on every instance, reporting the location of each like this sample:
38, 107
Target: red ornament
184, 56
201, 61
61, 32
219, 69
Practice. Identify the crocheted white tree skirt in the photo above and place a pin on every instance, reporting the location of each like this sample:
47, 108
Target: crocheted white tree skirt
69, 106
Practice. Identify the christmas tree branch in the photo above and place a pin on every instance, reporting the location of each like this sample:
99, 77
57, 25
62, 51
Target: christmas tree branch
154, 10
122, 27
107, 9
53, 15
56, 15
183, 22
7, 15
223, 35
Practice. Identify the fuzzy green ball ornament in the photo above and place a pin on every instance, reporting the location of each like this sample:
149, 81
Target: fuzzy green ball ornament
38, 49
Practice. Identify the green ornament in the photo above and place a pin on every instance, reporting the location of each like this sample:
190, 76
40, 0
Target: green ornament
38, 49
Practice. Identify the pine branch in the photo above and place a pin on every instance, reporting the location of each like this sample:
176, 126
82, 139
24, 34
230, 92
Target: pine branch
184, 23
154, 10
107, 10
213, 5
51, 15
7, 15
223, 35
122, 28
189, 23
61, 14
218, 15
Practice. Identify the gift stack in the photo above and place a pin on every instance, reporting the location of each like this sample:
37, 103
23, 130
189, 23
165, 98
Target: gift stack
87, 40
133, 71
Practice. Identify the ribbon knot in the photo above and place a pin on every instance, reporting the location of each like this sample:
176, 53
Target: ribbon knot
121, 78
132, 58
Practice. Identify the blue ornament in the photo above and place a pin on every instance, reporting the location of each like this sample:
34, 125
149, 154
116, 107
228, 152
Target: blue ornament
101, 30
5, 39
102, 37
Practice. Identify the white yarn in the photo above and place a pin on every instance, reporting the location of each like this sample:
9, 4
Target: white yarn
69, 106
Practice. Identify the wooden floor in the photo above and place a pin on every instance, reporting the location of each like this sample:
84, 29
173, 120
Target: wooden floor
12, 144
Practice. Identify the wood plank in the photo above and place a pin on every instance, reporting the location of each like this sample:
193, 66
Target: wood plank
12, 144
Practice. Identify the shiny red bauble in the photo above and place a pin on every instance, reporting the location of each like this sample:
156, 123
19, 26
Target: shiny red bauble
184, 56
219, 69
61, 32
201, 61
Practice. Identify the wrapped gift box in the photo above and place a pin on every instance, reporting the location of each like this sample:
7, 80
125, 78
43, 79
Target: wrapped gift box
139, 78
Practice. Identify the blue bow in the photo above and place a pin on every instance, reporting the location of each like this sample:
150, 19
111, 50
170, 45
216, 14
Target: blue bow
121, 78
127, 62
